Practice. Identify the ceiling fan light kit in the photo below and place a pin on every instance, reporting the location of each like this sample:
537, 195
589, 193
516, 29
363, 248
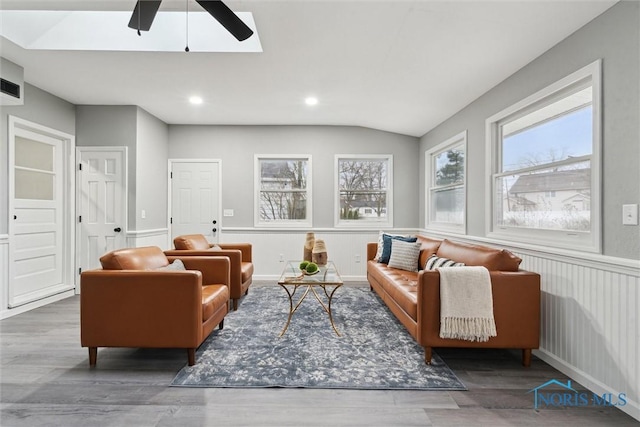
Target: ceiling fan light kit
145, 11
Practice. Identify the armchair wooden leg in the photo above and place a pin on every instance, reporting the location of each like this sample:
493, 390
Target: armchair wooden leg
221, 324
191, 356
427, 355
93, 356
235, 304
526, 357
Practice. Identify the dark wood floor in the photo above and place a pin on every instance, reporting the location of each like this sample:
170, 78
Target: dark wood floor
45, 380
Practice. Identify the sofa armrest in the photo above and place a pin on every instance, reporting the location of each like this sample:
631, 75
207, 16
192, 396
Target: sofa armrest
214, 269
372, 249
245, 248
516, 306
133, 308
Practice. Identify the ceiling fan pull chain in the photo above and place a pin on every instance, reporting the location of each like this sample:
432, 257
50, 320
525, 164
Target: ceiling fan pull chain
186, 49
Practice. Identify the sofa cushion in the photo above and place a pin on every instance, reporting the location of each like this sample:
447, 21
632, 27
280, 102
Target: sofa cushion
247, 271
492, 259
143, 258
213, 297
400, 285
404, 255
191, 242
386, 246
435, 261
429, 247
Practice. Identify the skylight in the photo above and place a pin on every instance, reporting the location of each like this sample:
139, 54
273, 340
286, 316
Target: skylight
108, 31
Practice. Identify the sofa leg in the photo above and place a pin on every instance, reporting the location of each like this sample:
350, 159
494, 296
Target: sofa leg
427, 355
93, 356
191, 356
221, 324
526, 357
235, 304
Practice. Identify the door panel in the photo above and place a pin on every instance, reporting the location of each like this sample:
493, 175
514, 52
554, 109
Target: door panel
102, 204
37, 210
195, 194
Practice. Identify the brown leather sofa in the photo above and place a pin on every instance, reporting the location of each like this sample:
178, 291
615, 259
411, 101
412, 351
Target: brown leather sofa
238, 253
414, 297
130, 303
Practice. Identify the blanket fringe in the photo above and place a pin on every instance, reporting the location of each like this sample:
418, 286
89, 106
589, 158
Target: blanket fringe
468, 329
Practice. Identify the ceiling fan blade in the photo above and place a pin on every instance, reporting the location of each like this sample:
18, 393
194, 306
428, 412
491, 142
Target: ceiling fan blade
227, 18
143, 14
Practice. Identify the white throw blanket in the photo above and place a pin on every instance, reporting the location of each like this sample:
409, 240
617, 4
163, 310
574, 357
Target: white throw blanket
466, 304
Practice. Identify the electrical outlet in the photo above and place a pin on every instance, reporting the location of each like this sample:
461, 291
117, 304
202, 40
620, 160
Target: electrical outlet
143, 214
630, 214
357, 259
281, 257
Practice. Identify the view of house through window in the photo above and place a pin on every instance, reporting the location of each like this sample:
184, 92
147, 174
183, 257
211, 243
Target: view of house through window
545, 159
546, 165
446, 193
364, 189
284, 190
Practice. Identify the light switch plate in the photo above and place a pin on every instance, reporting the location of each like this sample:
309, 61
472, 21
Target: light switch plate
228, 212
630, 214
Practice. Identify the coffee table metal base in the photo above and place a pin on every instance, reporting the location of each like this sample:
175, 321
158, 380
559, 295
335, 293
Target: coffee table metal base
310, 287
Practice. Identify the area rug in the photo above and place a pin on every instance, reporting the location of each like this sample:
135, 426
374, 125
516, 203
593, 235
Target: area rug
374, 352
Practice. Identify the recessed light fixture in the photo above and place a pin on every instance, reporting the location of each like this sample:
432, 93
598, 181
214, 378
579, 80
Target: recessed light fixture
311, 100
195, 100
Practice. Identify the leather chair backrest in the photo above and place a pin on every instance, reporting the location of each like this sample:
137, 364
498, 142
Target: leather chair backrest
193, 242
144, 258
428, 248
492, 259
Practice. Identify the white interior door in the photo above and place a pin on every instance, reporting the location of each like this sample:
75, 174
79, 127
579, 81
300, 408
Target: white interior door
37, 201
102, 204
195, 198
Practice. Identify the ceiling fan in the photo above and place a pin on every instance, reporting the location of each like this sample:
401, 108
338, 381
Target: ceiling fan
145, 11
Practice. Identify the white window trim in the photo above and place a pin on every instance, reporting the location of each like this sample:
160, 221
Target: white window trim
286, 223
586, 242
373, 223
456, 140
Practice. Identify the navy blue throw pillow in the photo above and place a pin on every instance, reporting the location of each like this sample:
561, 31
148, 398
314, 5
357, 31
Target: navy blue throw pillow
386, 246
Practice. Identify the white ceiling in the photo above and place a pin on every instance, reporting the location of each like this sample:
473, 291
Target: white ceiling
399, 66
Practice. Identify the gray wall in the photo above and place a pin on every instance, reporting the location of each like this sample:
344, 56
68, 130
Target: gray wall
236, 146
146, 138
615, 37
151, 175
39, 107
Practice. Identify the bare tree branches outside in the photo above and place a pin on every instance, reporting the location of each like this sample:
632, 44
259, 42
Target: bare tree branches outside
283, 189
363, 187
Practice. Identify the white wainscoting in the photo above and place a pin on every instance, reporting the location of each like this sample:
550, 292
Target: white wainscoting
346, 248
156, 237
590, 317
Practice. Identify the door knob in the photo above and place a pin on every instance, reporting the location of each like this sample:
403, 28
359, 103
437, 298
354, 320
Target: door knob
214, 230
117, 229
215, 222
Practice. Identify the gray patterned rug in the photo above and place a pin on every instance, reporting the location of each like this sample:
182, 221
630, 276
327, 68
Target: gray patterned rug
374, 352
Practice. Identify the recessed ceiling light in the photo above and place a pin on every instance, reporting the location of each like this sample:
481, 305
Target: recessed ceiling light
196, 100
312, 100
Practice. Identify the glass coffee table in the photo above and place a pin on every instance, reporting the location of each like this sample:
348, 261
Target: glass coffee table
327, 278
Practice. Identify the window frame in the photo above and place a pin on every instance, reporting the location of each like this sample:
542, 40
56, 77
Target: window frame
364, 223
288, 223
567, 239
430, 155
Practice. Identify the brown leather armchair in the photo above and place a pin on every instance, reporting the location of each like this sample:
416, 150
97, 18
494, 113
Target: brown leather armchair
130, 303
239, 254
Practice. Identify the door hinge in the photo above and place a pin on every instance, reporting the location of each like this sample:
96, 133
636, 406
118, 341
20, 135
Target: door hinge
80, 166
80, 218
80, 270
171, 220
171, 175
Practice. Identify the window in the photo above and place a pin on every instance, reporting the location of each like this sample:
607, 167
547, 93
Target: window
445, 172
545, 165
364, 195
283, 190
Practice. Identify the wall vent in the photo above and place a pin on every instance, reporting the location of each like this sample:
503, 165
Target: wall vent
9, 88
11, 83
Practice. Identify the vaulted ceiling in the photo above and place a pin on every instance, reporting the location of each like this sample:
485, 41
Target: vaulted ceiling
398, 66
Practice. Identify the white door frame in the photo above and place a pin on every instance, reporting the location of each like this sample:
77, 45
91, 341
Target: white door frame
68, 205
169, 187
78, 177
